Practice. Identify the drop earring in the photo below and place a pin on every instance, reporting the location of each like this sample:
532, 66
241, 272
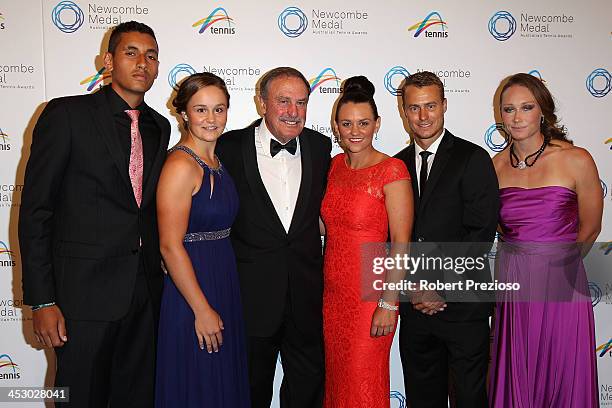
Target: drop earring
376, 136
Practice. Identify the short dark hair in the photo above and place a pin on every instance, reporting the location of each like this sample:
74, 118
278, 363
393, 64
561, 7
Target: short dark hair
358, 89
192, 84
127, 27
550, 126
422, 79
269, 76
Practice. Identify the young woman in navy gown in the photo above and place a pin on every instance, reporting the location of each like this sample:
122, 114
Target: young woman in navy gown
201, 356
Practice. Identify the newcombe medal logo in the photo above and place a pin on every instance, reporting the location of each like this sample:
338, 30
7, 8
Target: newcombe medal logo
292, 22
67, 16
502, 25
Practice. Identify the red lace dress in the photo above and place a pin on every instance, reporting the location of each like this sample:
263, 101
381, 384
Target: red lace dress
354, 213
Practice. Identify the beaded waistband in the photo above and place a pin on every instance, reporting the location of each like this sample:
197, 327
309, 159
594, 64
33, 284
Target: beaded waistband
207, 236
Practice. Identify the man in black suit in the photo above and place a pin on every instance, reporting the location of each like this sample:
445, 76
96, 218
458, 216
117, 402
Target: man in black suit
280, 170
456, 200
88, 229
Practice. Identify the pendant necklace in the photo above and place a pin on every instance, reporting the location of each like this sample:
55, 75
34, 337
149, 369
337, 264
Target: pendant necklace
523, 164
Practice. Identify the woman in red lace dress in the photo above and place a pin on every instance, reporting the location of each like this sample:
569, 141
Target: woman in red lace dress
368, 197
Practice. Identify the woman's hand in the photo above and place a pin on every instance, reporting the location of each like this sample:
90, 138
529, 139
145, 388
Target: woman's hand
208, 327
383, 322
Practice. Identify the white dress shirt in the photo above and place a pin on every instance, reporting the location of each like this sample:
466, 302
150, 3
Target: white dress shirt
281, 174
418, 160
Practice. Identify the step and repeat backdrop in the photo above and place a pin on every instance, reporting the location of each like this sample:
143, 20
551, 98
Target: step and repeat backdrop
51, 48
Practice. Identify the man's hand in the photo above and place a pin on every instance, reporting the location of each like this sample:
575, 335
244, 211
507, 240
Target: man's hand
49, 326
428, 302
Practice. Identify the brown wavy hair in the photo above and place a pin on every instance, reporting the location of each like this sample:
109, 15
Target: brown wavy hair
550, 126
192, 84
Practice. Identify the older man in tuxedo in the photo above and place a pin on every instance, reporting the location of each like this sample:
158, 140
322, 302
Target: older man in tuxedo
88, 229
280, 170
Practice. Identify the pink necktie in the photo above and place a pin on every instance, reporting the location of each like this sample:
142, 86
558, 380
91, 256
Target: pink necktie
136, 156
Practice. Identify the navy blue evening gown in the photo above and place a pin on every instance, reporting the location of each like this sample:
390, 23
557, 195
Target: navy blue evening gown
186, 375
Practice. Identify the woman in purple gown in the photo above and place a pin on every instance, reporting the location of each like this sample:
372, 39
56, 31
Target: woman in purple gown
543, 351
201, 351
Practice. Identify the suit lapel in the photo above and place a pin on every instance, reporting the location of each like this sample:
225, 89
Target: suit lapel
305, 183
411, 164
103, 118
262, 199
440, 160
148, 187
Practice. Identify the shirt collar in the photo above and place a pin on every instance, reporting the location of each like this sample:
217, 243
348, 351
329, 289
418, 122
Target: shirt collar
265, 136
431, 149
118, 106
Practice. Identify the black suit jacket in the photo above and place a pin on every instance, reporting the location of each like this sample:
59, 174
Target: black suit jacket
79, 223
272, 263
460, 204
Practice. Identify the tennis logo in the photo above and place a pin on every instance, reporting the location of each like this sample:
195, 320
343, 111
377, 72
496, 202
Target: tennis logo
95, 79
1, 22
292, 22
493, 142
427, 25
217, 17
604, 188
502, 25
6, 256
4, 141
605, 348
394, 78
9, 370
599, 83
67, 16
328, 77
179, 72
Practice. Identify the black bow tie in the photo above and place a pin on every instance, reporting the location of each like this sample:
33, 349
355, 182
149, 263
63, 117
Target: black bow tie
275, 147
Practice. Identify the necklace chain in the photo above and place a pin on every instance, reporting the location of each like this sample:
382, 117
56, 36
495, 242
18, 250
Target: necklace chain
523, 164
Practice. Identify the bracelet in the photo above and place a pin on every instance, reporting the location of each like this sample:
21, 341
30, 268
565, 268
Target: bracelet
42, 306
387, 306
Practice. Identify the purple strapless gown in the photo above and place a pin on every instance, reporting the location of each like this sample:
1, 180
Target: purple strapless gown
543, 352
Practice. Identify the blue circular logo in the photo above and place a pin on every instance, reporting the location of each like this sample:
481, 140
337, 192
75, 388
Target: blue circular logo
397, 396
179, 69
488, 138
67, 16
604, 188
293, 30
508, 19
398, 70
537, 74
599, 91
596, 293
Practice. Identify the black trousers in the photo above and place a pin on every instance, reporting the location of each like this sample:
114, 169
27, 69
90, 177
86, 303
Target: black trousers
303, 366
111, 363
435, 351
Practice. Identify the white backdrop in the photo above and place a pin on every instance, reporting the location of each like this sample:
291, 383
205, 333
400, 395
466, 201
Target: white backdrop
51, 48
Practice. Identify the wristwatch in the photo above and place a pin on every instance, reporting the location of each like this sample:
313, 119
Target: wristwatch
387, 306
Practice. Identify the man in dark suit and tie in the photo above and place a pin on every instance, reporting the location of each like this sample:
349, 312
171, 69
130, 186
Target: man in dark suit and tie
456, 200
88, 229
280, 170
